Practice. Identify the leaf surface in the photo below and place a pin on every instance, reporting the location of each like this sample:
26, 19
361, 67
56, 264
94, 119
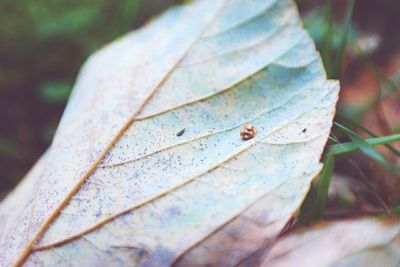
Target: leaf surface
363, 242
119, 186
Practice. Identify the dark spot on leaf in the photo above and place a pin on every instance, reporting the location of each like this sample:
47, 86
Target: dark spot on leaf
180, 132
304, 130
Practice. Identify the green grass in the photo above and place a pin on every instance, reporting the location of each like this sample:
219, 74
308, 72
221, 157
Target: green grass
345, 148
333, 41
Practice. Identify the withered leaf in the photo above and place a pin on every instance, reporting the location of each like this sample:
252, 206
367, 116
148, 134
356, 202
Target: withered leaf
350, 243
119, 187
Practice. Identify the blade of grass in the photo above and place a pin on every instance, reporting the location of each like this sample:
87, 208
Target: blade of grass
344, 148
367, 148
323, 186
354, 124
329, 159
337, 67
327, 40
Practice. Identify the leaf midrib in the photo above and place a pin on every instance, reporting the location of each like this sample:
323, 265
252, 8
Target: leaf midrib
162, 194
27, 250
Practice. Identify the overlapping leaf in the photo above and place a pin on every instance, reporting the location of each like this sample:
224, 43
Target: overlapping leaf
119, 186
365, 242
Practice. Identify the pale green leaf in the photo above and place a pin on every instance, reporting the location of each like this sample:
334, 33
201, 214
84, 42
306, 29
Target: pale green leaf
122, 184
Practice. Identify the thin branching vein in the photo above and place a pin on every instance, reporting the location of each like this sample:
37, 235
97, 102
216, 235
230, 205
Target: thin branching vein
166, 192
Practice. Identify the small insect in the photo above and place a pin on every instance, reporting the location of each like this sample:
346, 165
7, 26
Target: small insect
180, 132
248, 132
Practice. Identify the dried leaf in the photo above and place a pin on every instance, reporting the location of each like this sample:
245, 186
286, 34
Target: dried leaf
363, 242
118, 186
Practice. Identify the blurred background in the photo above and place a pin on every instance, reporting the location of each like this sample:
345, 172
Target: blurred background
44, 43
42, 46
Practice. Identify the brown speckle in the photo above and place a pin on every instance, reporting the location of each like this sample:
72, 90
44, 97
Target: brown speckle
248, 132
